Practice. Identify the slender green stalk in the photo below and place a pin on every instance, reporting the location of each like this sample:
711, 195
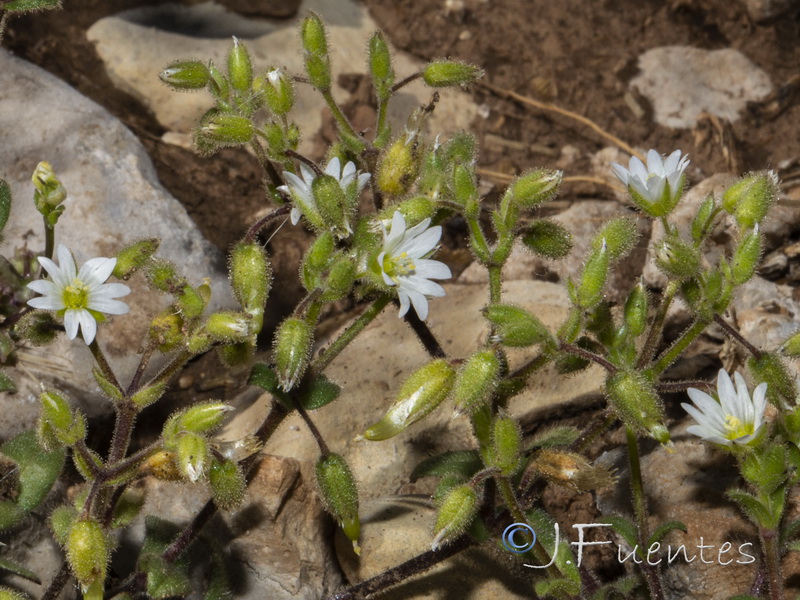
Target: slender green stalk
342, 122
738, 337
380, 136
651, 572
349, 334
102, 363
404, 82
495, 284
656, 328
772, 562
478, 241
679, 347
49, 239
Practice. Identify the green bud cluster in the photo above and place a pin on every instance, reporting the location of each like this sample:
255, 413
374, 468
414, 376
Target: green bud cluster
58, 423
49, 193
750, 198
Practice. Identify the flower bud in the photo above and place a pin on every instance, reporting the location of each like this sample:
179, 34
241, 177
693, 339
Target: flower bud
61, 521
38, 327
636, 402
340, 280
620, 235
455, 514
750, 198
316, 260
548, 239
535, 187
66, 426
506, 445
445, 73
148, 395
398, 167
704, 219
218, 84
163, 276
292, 348
49, 192
228, 326
420, 395
516, 327
133, 257
185, 75
315, 45
677, 259
191, 455
240, 68
635, 314
228, 129
87, 552
781, 386
476, 381
746, 257
166, 330
595, 273
203, 417
465, 189
227, 484
380, 66
190, 302
250, 274
340, 495
278, 91
331, 201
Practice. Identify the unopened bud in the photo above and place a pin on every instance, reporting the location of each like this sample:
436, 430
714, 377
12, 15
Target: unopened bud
203, 417
635, 314
133, 257
185, 75
455, 514
278, 91
330, 200
398, 167
166, 330
636, 402
87, 551
228, 129
292, 348
476, 381
315, 45
250, 274
750, 198
446, 73
420, 395
240, 68
161, 465
163, 276
535, 187
380, 66
66, 426
746, 257
227, 484
704, 219
49, 191
595, 273
191, 454
218, 84
190, 302
515, 326
148, 395
61, 521
620, 235
228, 326
781, 387
340, 280
506, 445
548, 239
340, 494
677, 259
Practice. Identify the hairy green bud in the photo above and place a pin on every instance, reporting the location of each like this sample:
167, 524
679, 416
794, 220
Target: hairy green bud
166, 331
340, 280
781, 386
191, 455
190, 302
240, 68
227, 484
87, 551
316, 261
228, 129
476, 381
278, 91
292, 348
185, 75
446, 73
228, 326
398, 167
340, 495
595, 273
203, 417
506, 445
704, 219
635, 314
620, 235
636, 402
548, 239
750, 198
218, 84
380, 66
61, 521
420, 395
677, 259
250, 275
516, 327
135, 256
315, 45
331, 201
163, 276
535, 187
148, 395
456, 513
746, 257
49, 193
67, 427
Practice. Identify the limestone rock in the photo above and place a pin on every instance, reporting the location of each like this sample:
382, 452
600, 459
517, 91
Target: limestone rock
135, 46
114, 199
682, 82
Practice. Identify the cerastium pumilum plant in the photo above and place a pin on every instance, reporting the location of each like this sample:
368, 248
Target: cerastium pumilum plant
379, 255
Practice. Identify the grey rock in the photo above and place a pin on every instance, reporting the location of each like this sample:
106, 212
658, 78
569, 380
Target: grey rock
683, 82
762, 11
114, 199
135, 50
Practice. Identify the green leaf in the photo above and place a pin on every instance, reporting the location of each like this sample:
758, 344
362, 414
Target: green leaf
461, 462
7, 384
560, 587
266, 378
26, 5
163, 579
663, 529
8, 565
790, 531
10, 514
555, 436
320, 392
766, 468
5, 203
624, 527
38, 469
621, 588
128, 507
218, 583
751, 506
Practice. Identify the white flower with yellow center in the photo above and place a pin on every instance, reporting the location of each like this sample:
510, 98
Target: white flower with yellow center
80, 295
402, 264
657, 187
735, 418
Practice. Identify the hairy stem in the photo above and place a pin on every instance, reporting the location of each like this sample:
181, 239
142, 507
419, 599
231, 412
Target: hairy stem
583, 353
737, 336
256, 227
103, 365
679, 347
772, 562
657, 326
404, 82
58, 582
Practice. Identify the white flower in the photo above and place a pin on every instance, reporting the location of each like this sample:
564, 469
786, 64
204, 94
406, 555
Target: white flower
658, 185
402, 264
300, 187
275, 76
79, 293
735, 419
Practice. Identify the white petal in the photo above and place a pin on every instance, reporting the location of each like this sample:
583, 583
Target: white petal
701, 420
655, 188
671, 162
654, 163
637, 169
308, 174
432, 269
710, 408
60, 277
97, 270
334, 168
621, 172
110, 290
396, 233
759, 403
420, 303
349, 169
71, 322
420, 245
88, 325
418, 228
362, 181
422, 285
47, 302
726, 391
295, 216
405, 303
43, 286
66, 260
111, 307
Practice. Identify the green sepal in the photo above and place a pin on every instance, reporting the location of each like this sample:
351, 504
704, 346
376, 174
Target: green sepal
463, 463
240, 68
61, 521
108, 388
746, 257
506, 445
128, 507
185, 75
82, 467
476, 381
620, 235
662, 530
703, 221
227, 483
548, 239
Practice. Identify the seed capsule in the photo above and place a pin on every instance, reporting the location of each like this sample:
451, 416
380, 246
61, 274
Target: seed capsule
291, 351
340, 494
476, 381
185, 75
455, 514
87, 551
446, 73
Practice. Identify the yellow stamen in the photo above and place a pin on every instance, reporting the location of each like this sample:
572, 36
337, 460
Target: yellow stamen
736, 428
76, 295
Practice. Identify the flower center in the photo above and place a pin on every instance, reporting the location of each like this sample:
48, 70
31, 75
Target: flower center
736, 428
76, 295
398, 266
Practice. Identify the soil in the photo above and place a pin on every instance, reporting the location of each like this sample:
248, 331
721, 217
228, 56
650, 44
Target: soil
576, 54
